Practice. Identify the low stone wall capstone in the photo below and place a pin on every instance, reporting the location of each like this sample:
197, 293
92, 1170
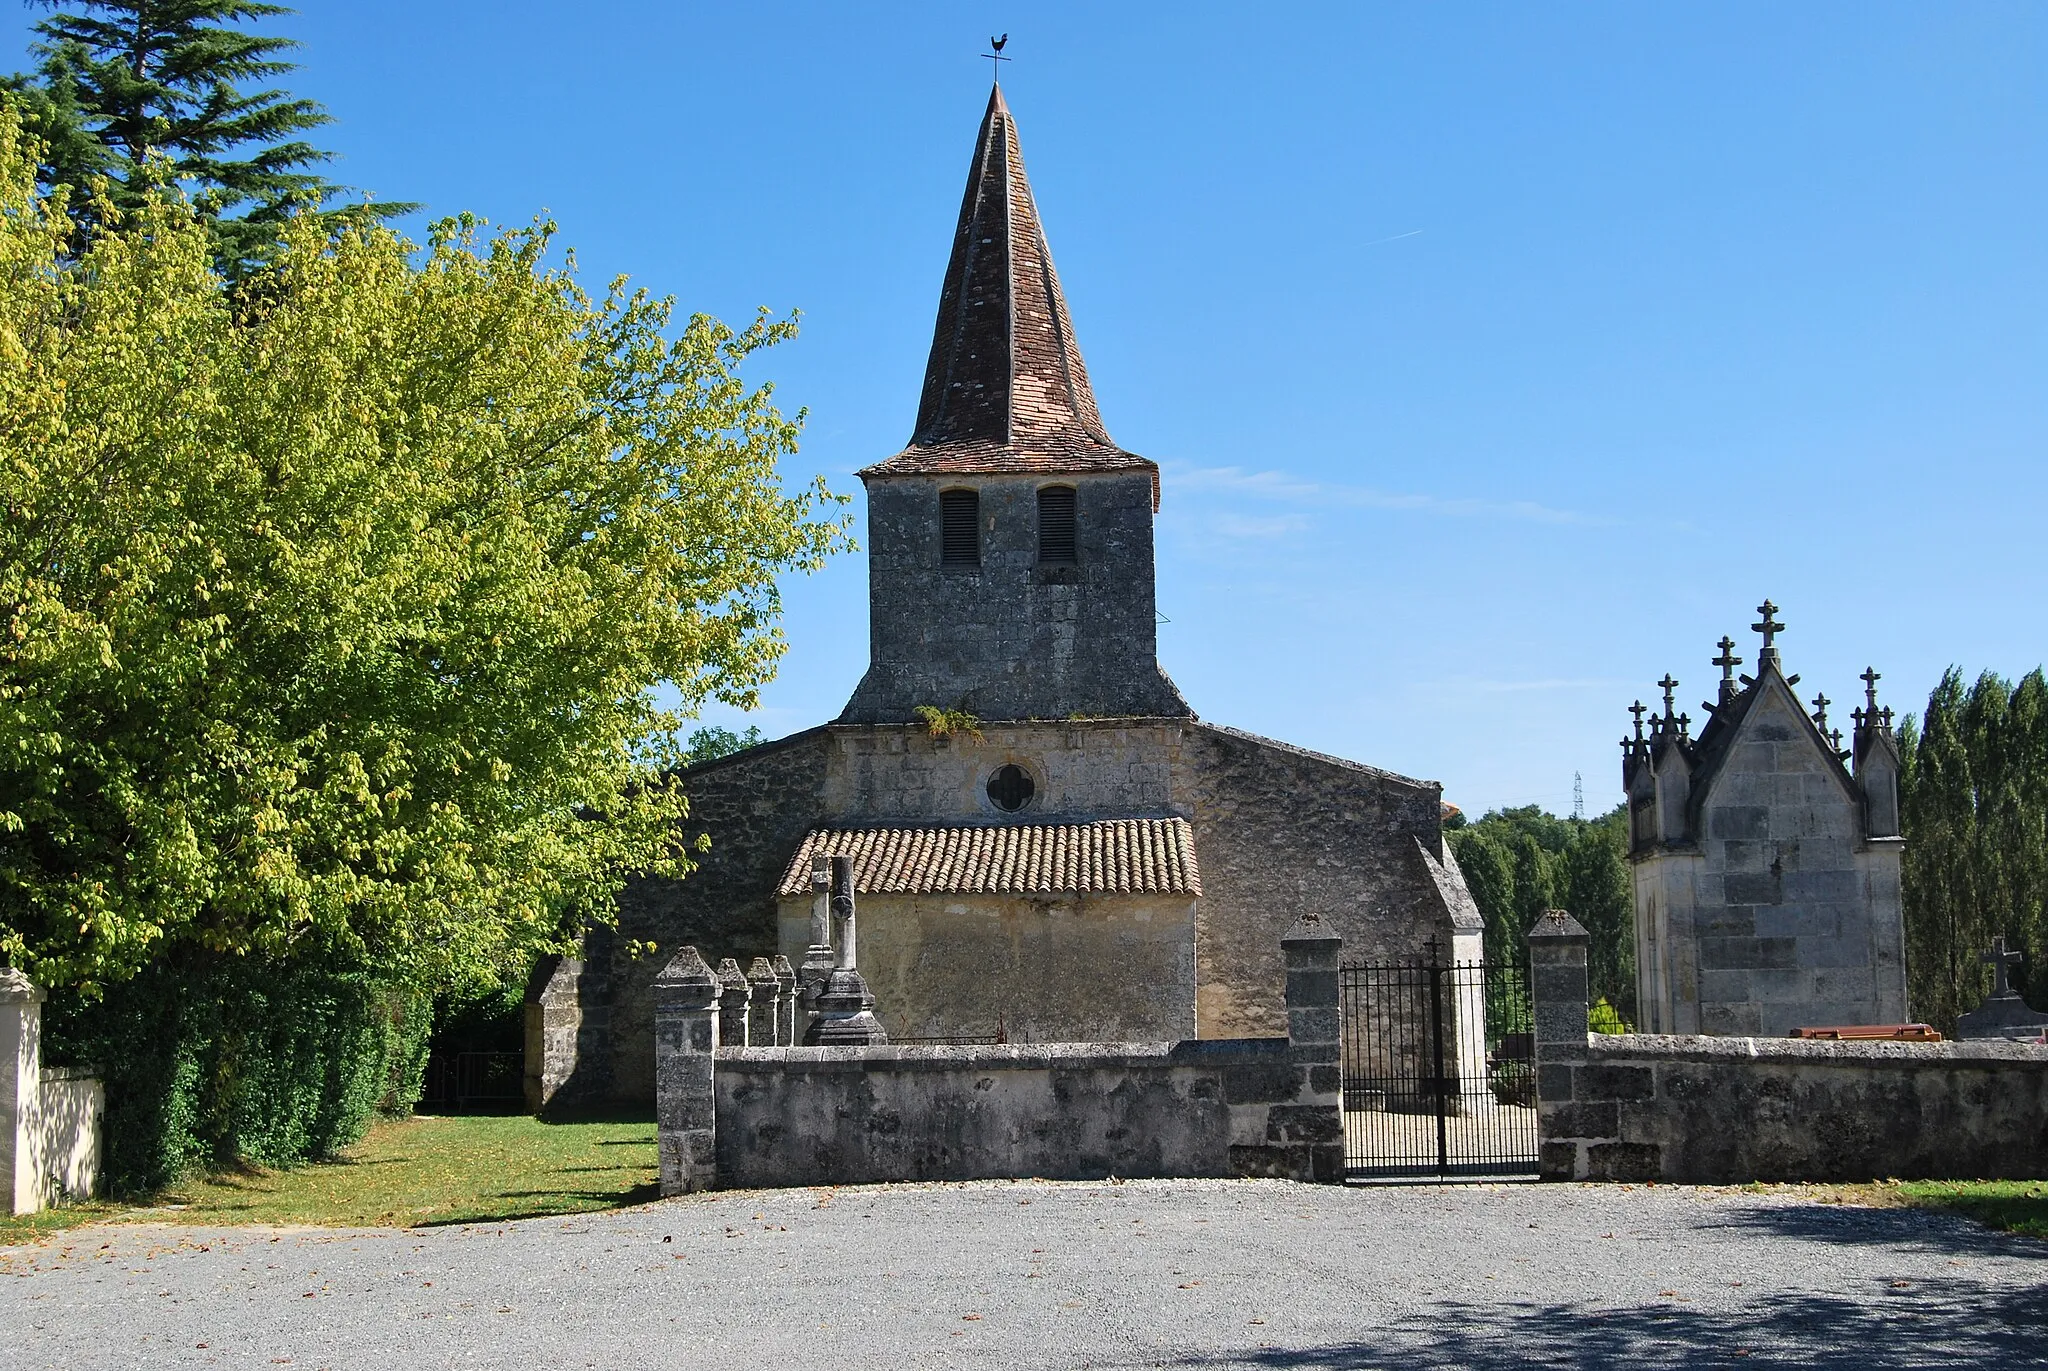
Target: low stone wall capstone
1716, 1111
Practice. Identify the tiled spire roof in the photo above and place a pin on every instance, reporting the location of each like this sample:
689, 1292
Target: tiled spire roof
1005, 389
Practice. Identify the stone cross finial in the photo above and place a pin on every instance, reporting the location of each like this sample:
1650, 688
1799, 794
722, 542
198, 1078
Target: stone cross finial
1770, 628
1857, 716
1835, 737
1669, 685
1870, 677
2000, 959
1820, 712
1727, 661
1639, 709
1887, 716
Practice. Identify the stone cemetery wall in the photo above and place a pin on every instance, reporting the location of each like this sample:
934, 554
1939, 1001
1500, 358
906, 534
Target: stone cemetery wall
778, 1116
1714, 1110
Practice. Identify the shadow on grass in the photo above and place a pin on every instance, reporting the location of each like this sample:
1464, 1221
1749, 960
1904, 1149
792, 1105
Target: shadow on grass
573, 1202
1948, 1323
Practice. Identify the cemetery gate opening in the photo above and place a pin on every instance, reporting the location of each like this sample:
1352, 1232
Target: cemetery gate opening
1439, 1070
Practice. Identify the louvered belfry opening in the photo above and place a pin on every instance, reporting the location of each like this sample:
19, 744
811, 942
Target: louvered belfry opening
1056, 524
959, 528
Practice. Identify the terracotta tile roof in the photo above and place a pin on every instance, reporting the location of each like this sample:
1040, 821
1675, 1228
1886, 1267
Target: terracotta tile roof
1005, 389
1112, 856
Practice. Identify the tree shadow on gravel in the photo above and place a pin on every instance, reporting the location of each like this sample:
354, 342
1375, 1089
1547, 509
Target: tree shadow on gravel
1949, 1323
1916, 1230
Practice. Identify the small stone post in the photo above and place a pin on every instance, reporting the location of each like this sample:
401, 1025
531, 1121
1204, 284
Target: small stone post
1558, 993
764, 1003
734, 993
785, 981
846, 1007
686, 1013
21, 1076
1315, 1122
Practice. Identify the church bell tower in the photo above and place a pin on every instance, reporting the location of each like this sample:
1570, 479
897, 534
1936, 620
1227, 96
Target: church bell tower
1010, 544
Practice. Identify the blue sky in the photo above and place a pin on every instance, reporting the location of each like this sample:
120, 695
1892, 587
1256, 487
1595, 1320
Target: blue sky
1498, 357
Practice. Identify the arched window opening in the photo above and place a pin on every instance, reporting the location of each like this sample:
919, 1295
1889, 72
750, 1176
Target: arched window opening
1056, 524
959, 528
1010, 788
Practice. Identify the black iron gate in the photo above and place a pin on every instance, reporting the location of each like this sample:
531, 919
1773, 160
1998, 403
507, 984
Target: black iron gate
1439, 1076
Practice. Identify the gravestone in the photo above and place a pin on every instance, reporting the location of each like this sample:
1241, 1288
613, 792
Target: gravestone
2005, 1014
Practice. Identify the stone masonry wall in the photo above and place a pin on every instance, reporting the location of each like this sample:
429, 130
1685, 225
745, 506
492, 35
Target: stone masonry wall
1011, 639
1279, 832
839, 1116
1283, 832
1721, 1110
755, 807
1050, 968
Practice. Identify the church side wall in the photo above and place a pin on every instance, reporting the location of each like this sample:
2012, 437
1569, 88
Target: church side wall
756, 807
1069, 968
1282, 832
1080, 770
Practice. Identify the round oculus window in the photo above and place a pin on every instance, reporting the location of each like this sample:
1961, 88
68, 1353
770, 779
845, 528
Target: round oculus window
1010, 788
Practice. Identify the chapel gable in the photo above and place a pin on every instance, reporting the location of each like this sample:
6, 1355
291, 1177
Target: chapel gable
1765, 856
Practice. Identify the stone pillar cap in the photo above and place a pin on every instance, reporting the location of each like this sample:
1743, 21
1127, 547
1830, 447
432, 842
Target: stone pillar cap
16, 988
1557, 923
760, 969
1311, 928
687, 967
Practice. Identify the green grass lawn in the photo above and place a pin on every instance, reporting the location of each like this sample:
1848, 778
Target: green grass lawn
2016, 1206
434, 1169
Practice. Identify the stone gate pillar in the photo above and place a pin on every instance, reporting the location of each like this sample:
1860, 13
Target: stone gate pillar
21, 1071
1315, 1042
686, 1005
1558, 994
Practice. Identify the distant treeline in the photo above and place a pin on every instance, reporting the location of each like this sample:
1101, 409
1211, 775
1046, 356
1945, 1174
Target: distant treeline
1520, 862
1974, 805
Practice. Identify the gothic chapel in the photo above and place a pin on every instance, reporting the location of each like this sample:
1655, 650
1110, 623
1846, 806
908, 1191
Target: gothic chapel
1089, 860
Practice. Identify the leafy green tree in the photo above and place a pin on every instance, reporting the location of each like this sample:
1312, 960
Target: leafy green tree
1519, 862
711, 742
338, 622
120, 81
1974, 807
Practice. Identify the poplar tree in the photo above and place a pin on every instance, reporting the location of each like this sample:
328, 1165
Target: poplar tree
119, 82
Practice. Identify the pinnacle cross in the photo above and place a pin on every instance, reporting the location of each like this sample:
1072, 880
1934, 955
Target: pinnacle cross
1639, 709
1999, 959
1769, 628
1870, 677
1820, 711
1727, 661
1669, 685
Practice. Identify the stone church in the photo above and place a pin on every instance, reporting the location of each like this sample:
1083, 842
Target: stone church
1047, 842
1765, 858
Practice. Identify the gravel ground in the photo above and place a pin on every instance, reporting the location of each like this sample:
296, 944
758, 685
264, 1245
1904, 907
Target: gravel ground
1203, 1274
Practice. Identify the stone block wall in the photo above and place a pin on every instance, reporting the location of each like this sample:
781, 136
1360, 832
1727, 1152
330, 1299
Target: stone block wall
1722, 1110
1279, 831
828, 1116
1011, 638
1048, 968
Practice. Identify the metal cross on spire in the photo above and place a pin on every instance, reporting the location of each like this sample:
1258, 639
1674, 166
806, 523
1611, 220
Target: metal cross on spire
2000, 959
995, 57
1870, 677
1670, 686
1770, 628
